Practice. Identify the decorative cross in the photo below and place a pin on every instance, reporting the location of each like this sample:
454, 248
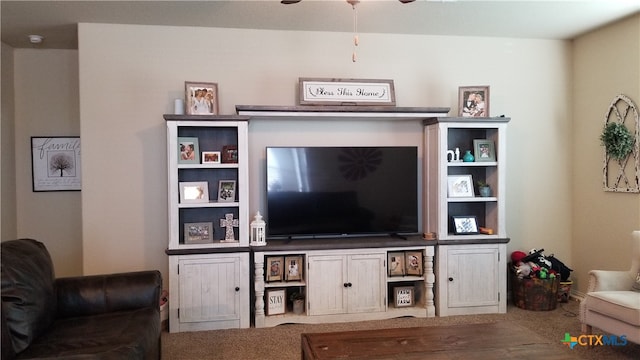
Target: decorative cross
228, 223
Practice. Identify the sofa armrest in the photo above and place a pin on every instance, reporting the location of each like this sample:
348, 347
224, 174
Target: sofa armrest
96, 294
608, 280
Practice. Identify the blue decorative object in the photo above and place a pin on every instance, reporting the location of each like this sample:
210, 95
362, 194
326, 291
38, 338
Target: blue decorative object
468, 157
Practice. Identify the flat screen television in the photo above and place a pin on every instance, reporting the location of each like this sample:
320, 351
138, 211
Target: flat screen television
315, 192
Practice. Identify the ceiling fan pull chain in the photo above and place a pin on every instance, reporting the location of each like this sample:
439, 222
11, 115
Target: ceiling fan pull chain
356, 40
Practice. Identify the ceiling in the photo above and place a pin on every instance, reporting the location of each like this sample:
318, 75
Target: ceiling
545, 19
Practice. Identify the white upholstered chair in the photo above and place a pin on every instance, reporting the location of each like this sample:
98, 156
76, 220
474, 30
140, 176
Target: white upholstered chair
611, 304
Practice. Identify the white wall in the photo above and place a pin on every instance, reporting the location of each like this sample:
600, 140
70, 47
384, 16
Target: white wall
606, 63
8, 219
129, 76
46, 104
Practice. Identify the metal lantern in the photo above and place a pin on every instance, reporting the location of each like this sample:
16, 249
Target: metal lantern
258, 231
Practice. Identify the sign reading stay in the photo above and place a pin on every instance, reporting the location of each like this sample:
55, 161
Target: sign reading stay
346, 92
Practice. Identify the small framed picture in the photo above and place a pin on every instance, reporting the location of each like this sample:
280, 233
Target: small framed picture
396, 263
275, 264
275, 301
473, 101
413, 261
194, 192
188, 150
211, 157
293, 268
403, 296
465, 225
226, 190
484, 150
460, 186
198, 233
201, 98
230, 154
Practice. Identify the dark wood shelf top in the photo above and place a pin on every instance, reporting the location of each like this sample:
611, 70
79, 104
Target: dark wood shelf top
342, 109
435, 120
343, 243
174, 117
197, 251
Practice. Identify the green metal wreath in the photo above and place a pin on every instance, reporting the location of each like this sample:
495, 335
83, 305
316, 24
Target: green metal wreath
617, 140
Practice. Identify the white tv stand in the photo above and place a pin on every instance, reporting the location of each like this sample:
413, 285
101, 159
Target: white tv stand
345, 279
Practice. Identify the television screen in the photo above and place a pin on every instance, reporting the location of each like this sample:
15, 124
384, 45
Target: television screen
341, 191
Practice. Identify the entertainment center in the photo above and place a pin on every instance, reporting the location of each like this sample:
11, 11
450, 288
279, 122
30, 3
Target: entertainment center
335, 249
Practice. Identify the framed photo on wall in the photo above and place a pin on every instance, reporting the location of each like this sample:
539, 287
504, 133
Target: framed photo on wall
293, 268
198, 233
275, 265
484, 150
465, 225
460, 186
201, 98
55, 163
188, 150
473, 101
396, 263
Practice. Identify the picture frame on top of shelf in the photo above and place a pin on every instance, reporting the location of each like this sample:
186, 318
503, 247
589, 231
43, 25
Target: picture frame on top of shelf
403, 296
188, 150
275, 301
211, 157
194, 192
460, 186
396, 263
473, 101
230, 154
465, 225
484, 150
198, 233
293, 268
201, 98
226, 191
413, 261
275, 265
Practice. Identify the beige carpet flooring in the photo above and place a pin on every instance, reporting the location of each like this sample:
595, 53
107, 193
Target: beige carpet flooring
283, 342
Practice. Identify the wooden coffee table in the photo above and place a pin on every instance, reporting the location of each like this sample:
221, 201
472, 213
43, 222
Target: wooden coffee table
501, 340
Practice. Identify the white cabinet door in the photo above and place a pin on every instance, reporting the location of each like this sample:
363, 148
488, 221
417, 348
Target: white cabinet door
366, 283
473, 276
209, 289
326, 284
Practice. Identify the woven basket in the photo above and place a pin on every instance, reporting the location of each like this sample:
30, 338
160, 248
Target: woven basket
535, 294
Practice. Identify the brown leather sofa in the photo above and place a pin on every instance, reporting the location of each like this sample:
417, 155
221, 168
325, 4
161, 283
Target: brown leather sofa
89, 317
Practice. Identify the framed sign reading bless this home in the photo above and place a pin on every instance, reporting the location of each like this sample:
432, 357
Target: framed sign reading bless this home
346, 92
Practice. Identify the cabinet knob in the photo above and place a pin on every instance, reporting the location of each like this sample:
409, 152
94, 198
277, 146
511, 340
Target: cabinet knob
345, 284
350, 284
237, 288
450, 279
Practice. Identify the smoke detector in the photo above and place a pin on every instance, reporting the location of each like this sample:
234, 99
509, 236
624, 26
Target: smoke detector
36, 39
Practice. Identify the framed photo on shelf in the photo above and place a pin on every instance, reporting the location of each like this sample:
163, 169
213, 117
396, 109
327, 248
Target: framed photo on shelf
396, 263
465, 225
403, 296
473, 101
194, 192
55, 163
230, 154
211, 157
188, 150
293, 268
484, 150
275, 265
201, 98
198, 233
226, 190
275, 301
460, 186
413, 261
